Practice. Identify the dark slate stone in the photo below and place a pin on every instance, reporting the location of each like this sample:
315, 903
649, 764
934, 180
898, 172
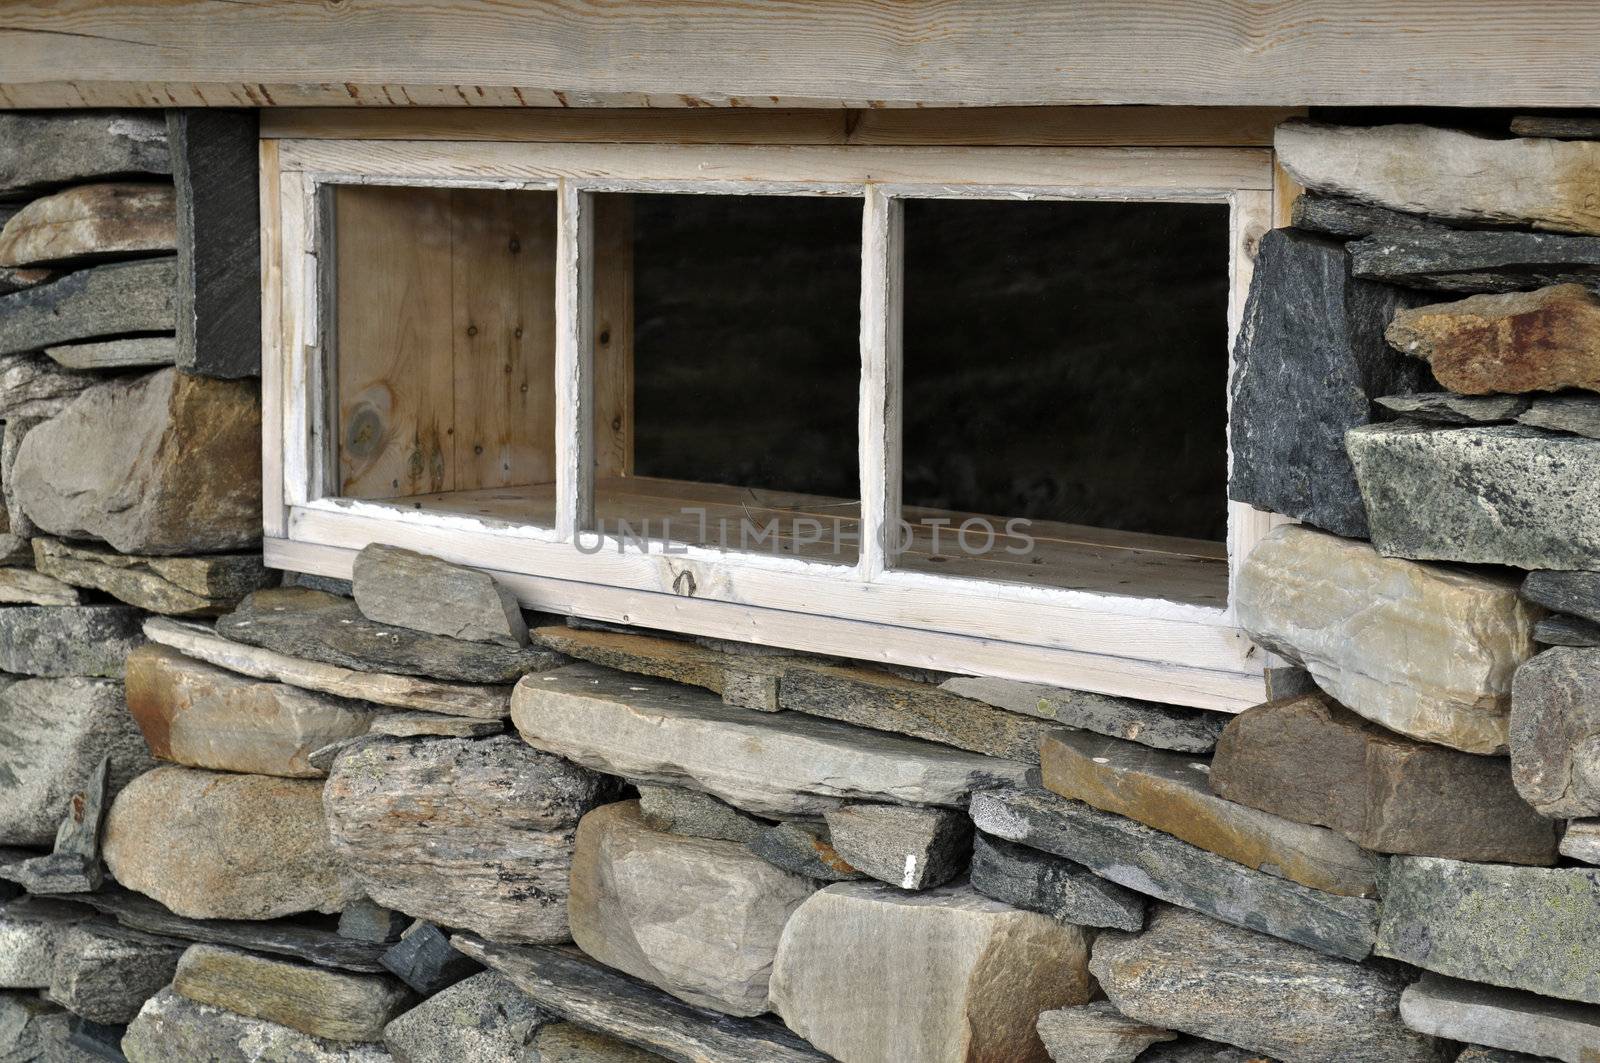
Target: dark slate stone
1578, 414
41, 150
101, 301
1446, 407
214, 164
1027, 878
99, 1040
1353, 219
591, 995
74, 865
365, 920
1476, 261
1562, 630
425, 960
1161, 866
1310, 358
1577, 593
803, 849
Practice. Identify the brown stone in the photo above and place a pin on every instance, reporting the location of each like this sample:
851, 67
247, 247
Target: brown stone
205, 717
176, 586
1309, 759
210, 845
161, 464
1168, 791
24, 586
1544, 340
91, 221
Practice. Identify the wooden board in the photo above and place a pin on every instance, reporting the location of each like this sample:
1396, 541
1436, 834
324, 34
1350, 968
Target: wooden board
803, 53
613, 336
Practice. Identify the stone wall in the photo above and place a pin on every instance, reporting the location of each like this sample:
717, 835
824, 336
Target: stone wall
398, 818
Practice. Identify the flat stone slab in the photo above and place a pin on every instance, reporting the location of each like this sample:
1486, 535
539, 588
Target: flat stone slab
871, 974
433, 725
334, 1005
1097, 1033
406, 589
1515, 927
1544, 340
565, 1042
24, 586
75, 640
1483, 261
913, 848
1555, 715
1502, 1018
482, 1019
90, 303
131, 352
1577, 593
695, 917
318, 626
196, 714
40, 150
1578, 414
1171, 792
398, 691
1350, 218
1024, 877
746, 679
95, 221
1145, 722
696, 815
1190, 973
172, 1027
175, 586
594, 996
1426, 489
1447, 174
493, 853
1446, 407
1160, 866
784, 764
1424, 650
1309, 759
32, 386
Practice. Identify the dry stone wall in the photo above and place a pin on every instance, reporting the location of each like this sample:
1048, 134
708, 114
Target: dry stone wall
398, 819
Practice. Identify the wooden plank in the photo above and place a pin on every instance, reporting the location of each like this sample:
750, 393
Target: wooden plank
574, 376
392, 253
274, 511
613, 335
882, 371
1071, 126
805, 53
503, 249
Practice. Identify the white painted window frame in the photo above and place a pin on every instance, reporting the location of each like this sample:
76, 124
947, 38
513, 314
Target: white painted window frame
1142, 647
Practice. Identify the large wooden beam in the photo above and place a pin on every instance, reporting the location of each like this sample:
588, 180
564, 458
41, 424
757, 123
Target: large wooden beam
801, 53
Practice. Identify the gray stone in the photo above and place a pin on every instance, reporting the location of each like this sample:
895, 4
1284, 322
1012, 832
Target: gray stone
1190, 973
42, 150
1566, 631
90, 303
1502, 1018
1159, 865
433, 725
1561, 127
24, 586
913, 848
214, 169
1577, 593
565, 1042
481, 1019
165, 463
406, 589
1172, 793
30, 934
106, 973
1517, 927
592, 995
736, 671
1350, 218
322, 627
1424, 650
493, 852
696, 815
1555, 714
1578, 414
79, 640
131, 352
1582, 841
14, 549
211, 845
397, 691
171, 1027
1096, 1033
1145, 722
73, 865
773, 764
1543, 184
334, 1005
16, 428
1199, 1050
53, 735
1479, 1054
330, 584
1446, 407
426, 960
1025, 877
33, 1029
1489, 261
697, 918
33, 386
365, 920
92, 222
803, 848
1310, 359
1504, 495
176, 586
871, 974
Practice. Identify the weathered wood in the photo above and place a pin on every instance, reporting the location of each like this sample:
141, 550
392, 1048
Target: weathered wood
42, 151
109, 220
102, 301
862, 53
219, 241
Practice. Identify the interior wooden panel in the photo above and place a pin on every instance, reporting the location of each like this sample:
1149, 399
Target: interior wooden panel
613, 336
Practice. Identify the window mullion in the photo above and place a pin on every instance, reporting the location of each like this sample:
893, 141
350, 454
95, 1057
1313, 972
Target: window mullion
882, 272
574, 361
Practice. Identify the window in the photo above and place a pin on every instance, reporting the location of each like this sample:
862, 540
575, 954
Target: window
961, 408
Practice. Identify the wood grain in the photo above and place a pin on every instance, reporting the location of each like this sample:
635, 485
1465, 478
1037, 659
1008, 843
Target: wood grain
804, 53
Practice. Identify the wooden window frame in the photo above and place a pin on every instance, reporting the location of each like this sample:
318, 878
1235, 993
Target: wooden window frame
1143, 647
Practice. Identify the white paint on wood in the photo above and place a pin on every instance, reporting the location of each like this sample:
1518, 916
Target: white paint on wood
574, 360
879, 410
